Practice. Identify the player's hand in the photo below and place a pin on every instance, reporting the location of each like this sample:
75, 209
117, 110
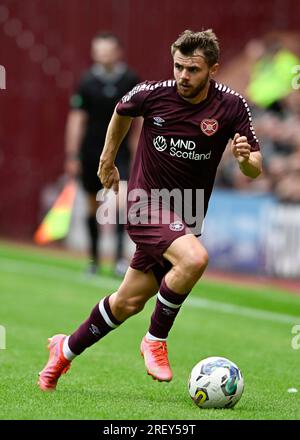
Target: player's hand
240, 148
109, 176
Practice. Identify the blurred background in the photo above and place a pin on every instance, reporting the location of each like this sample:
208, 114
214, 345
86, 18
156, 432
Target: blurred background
251, 227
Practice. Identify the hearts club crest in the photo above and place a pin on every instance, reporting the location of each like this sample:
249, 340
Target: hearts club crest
209, 126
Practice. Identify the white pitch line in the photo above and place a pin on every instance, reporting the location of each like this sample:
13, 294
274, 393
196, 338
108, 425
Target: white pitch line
54, 272
39, 269
249, 312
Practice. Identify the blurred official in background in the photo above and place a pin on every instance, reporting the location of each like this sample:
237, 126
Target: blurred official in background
92, 105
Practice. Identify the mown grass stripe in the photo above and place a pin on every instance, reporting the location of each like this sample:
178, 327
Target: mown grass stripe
38, 269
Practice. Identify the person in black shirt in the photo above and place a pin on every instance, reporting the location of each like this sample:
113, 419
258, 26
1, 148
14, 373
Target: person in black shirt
92, 105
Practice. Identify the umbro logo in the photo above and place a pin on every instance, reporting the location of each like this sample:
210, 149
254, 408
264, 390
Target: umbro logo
168, 311
94, 330
158, 121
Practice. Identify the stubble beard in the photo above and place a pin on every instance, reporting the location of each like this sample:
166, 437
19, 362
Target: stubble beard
193, 93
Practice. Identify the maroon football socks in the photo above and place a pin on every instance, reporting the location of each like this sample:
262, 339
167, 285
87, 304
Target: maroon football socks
100, 322
168, 304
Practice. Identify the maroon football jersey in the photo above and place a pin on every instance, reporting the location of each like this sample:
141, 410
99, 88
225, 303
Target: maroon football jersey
181, 144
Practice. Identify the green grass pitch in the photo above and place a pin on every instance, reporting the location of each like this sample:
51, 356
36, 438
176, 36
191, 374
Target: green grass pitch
43, 293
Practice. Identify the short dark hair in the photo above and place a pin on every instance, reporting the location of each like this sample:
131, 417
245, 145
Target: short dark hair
106, 35
188, 42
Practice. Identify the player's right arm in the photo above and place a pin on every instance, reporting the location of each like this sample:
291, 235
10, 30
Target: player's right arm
131, 106
116, 131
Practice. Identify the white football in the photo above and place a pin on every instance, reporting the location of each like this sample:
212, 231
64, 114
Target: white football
216, 382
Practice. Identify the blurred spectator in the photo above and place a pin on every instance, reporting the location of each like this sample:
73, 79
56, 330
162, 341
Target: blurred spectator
280, 133
271, 75
92, 105
267, 67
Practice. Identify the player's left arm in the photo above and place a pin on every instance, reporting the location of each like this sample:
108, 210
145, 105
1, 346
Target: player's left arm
250, 162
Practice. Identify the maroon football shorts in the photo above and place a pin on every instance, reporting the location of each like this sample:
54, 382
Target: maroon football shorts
152, 240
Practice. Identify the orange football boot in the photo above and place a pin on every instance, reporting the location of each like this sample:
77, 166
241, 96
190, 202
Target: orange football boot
155, 355
56, 365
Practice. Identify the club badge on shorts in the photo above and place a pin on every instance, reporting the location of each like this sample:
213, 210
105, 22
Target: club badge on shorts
176, 226
209, 126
